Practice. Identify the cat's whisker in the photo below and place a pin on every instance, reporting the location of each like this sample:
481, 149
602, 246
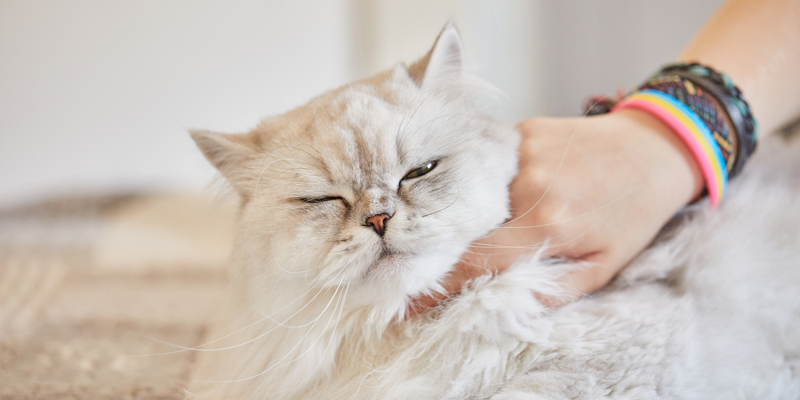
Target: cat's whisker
497, 246
258, 180
425, 154
497, 201
322, 270
319, 157
397, 136
583, 233
417, 109
283, 325
458, 193
287, 271
198, 347
313, 281
265, 318
309, 284
558, 169
333, 333
472, 252
341, 299
610, 203
358, 389
546, 243
301, 341
366, 362
263, 160
432, 120
255, 189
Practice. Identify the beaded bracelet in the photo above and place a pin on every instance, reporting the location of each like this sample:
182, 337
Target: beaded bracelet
694, 101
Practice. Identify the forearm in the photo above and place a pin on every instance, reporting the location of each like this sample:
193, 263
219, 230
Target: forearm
757, 43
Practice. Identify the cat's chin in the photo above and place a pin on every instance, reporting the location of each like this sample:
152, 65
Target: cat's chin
389, 262
396, 275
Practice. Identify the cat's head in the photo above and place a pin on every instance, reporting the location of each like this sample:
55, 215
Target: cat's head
378, 186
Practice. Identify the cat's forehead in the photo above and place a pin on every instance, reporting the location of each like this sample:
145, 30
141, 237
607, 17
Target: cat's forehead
359, 139
369, 132
358, 132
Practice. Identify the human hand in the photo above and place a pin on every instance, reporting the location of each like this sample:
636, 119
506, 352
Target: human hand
594, 189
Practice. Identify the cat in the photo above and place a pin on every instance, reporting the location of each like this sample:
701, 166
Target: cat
366, 197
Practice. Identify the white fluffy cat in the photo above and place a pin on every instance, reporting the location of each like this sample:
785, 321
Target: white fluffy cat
366, 197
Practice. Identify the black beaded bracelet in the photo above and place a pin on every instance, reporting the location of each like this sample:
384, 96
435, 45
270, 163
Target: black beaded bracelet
712, 96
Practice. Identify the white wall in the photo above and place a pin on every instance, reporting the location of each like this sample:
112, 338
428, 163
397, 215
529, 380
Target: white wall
97, 95
548, 56
599, 46
501, 39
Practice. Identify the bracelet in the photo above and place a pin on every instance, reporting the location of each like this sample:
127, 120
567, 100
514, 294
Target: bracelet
694, 101
720, 87
691, 129
704, 106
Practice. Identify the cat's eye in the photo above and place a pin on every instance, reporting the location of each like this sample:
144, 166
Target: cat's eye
421, 170
315, 200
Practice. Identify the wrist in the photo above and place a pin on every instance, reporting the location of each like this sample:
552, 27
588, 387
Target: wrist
706, 111
674, 175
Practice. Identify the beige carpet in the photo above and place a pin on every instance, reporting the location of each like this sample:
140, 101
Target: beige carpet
88, 288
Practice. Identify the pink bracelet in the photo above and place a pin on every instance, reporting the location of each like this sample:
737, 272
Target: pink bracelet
691, 129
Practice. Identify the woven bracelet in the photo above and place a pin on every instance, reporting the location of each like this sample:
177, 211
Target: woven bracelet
705, 110
731, 102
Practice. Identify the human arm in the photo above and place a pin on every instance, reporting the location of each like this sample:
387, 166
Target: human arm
599, 189
757, 43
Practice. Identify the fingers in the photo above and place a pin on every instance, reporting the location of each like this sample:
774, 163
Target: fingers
472, 266
596, 275
576, 196
589, 279
420, 304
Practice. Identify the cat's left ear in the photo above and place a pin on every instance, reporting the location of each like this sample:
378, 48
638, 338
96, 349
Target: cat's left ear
445, 61
232, 155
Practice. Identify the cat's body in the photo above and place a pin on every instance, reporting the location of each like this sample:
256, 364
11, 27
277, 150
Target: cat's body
319, 291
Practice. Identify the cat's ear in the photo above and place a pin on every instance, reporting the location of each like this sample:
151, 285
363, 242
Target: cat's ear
444, 61
230, 154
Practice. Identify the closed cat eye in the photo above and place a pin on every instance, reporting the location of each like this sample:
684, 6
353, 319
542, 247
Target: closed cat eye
321, 199
417, 172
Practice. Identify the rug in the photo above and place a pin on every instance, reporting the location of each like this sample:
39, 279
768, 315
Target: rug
92, 287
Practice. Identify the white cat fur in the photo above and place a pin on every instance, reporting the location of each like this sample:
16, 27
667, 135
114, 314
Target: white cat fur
711, 312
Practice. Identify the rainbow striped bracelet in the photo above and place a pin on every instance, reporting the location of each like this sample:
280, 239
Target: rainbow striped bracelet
691, 129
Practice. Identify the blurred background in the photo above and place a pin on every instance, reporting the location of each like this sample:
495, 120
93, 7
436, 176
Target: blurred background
96, 96
112, 244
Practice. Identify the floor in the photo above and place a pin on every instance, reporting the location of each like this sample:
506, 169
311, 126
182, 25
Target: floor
91, 288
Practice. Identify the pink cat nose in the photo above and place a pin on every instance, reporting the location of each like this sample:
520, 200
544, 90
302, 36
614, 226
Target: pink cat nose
378, 223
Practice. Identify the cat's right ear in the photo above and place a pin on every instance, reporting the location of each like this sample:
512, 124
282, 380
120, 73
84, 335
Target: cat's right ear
229, 154
445, 61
